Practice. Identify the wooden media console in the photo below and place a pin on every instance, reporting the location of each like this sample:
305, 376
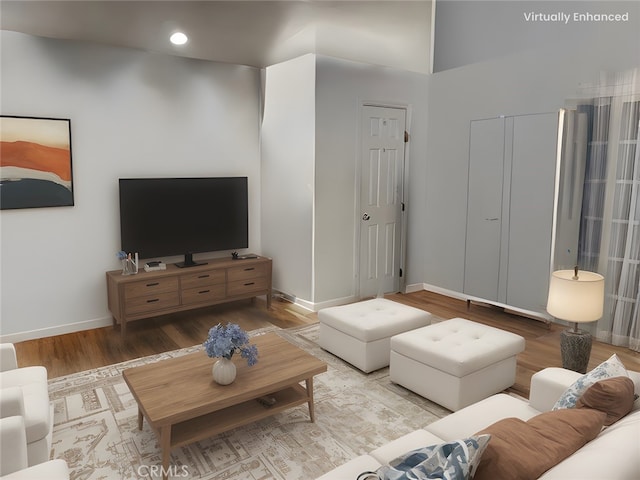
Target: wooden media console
221, 280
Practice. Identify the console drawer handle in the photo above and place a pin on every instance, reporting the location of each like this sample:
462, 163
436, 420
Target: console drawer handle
153, 284
153, 300
204, 291
249, 269
203, 276
250, 283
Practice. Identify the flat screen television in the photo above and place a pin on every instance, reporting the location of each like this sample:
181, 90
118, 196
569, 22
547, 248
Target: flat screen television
161, 217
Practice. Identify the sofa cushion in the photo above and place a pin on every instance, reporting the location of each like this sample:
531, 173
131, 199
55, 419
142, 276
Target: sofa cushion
612, 367
480, 415
617, 444
613, 396
525, 450
416, 439
52, 470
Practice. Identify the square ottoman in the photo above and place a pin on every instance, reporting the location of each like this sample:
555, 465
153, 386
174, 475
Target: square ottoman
359, 333
455, 362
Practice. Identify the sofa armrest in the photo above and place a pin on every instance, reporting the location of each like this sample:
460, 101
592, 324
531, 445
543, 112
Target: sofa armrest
13, 445
11, 402
548, 385
8, 358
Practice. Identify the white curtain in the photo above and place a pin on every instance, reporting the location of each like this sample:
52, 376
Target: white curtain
609, 240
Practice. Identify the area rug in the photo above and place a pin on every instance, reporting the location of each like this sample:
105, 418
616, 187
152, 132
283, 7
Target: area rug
95, 425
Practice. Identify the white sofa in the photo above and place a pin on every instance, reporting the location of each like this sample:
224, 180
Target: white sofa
13, 455
24, 393
613, 454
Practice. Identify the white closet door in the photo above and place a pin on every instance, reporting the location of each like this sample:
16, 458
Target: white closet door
533, 170
484, 208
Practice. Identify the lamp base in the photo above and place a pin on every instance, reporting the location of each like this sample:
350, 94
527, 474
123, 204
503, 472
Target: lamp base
575, 348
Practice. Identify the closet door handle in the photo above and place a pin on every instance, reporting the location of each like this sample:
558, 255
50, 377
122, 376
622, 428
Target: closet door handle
492, 219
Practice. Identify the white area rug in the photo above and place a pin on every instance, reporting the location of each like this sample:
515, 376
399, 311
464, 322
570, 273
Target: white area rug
95, 426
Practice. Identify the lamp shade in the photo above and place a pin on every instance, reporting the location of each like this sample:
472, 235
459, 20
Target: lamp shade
574, 299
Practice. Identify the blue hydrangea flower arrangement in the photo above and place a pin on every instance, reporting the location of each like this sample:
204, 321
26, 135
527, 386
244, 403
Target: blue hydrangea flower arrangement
223, 341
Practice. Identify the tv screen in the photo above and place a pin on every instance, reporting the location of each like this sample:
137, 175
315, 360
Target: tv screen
161, 217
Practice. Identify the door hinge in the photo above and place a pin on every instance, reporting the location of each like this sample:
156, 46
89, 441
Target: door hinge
401, 272
406, 136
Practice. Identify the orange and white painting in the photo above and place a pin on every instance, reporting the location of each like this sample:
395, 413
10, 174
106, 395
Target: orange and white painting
35, 162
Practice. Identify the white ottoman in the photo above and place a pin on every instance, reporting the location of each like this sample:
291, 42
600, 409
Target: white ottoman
359, 333
456, 362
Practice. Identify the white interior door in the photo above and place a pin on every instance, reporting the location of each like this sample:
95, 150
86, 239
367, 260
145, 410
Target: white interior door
381, 194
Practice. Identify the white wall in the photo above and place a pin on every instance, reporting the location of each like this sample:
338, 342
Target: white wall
310, 148
288, 174
132, 114
531, 81
341, 89
462, 37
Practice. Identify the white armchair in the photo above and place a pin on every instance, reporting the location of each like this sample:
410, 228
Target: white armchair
24, 393
13, 455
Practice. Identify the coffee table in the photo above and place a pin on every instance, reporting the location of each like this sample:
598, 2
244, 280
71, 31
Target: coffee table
183, 404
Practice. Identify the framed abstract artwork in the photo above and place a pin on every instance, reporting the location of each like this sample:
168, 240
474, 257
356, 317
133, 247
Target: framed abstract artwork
35, 162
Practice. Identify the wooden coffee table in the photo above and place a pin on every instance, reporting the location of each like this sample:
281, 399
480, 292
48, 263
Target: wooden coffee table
183, 404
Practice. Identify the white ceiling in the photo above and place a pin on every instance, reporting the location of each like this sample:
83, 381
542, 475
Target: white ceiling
396, 33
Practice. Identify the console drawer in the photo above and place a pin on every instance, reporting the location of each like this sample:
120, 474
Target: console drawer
203, 294
212, 277
150, 287
151, 303
246, 272
246, 286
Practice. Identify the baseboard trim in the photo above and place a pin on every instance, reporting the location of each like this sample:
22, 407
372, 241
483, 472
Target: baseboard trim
335, 302
540, 316
444, 291
56, 330
313, 306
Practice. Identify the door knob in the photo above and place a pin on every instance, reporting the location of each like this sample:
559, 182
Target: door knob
366, 216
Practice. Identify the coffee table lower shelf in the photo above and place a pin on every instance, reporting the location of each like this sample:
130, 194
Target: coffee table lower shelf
211, 424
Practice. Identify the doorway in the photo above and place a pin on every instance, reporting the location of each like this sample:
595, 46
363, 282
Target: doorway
381, 209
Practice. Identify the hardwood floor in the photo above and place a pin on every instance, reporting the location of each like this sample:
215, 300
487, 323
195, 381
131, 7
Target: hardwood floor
542, 341
78, 351
75, 352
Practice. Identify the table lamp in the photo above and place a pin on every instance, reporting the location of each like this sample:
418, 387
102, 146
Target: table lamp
576, 297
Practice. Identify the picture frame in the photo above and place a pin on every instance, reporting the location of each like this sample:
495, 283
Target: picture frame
35, 162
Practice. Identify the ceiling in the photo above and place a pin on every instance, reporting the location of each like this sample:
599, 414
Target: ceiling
395, 33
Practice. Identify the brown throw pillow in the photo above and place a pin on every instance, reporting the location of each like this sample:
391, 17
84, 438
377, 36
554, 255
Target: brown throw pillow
521, 450
613, 396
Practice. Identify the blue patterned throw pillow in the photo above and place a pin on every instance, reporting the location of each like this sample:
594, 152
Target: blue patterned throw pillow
611, 367
455, 460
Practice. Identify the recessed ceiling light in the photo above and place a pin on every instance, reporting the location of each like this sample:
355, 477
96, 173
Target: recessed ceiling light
178, 38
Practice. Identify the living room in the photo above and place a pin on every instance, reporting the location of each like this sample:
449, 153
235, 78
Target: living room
135, 113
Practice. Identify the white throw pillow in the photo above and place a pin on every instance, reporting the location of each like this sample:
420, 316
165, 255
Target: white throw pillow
611, 367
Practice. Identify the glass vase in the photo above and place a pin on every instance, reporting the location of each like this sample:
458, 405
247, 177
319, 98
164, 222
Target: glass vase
129, 267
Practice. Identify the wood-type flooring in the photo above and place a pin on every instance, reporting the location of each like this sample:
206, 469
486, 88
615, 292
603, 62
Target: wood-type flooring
75, 352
